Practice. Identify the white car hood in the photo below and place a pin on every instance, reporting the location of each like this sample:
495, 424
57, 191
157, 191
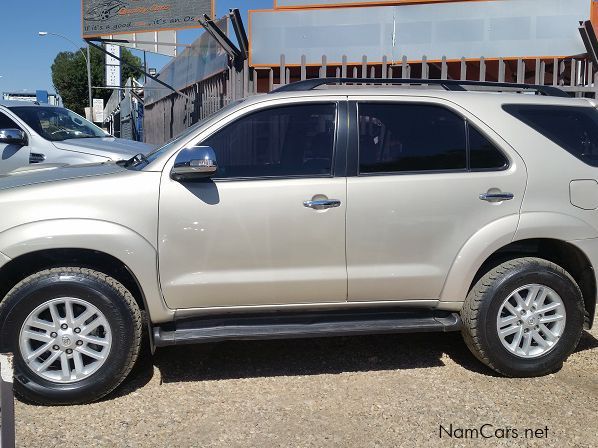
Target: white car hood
39, 174
110, 147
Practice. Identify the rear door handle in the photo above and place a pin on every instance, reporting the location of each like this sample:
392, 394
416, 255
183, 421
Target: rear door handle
322, 204
496, 197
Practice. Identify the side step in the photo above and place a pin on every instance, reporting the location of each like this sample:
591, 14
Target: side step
303, 325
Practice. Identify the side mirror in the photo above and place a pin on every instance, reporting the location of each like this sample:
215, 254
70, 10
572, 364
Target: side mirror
194, 163
13, 137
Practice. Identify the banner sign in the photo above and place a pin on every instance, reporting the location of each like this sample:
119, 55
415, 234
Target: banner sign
106, 17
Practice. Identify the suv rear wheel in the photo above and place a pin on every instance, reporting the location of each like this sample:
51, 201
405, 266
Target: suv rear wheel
524, 317
75, 334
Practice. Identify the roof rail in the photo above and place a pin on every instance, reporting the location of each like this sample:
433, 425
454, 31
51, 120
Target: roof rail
447, 84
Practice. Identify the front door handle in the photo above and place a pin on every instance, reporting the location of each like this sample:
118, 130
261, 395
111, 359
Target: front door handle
322, 204
496, 197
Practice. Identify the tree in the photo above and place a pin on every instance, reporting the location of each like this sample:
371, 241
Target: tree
69, 76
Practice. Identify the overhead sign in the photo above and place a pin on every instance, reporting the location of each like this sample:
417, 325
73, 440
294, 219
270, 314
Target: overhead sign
112, 66
106, 17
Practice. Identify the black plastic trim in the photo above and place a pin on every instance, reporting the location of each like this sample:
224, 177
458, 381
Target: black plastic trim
303, 325
447, 84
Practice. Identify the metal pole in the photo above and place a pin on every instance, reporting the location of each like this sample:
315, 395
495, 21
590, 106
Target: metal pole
7, 403
89, 81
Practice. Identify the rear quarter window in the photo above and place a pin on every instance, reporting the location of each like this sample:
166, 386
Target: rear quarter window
573, 128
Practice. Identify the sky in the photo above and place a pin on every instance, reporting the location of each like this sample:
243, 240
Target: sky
25, 57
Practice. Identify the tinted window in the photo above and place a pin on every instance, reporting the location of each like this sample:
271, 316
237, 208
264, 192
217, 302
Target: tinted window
483, 154
410, 137
57, 123
7, 123
575, 129
283, 141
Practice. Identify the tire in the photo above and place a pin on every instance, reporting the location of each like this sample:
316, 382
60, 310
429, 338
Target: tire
114, 327
514, 280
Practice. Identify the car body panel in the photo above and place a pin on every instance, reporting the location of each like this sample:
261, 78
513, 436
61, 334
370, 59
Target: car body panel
251, 243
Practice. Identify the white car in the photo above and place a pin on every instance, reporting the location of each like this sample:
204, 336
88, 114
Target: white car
31, 133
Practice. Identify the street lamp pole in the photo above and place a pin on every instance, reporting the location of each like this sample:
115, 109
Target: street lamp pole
87, 62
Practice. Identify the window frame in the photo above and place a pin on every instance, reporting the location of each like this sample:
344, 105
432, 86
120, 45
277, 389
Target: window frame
338, 163
353, 162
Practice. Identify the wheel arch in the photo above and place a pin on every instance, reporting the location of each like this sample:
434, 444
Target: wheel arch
29, 263
104, 246
559, 252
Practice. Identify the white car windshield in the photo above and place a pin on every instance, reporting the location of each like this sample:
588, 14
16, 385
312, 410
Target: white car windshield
57, 123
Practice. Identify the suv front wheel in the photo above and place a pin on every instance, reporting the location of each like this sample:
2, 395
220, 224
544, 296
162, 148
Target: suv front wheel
75, 334
524, 317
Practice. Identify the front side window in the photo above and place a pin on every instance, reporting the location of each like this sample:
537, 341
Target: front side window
574, 128
57, 123
295, 140
7, 123
410, 137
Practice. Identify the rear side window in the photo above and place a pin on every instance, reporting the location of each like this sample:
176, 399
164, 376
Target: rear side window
410, 137
574, 128
483, 155
407, 137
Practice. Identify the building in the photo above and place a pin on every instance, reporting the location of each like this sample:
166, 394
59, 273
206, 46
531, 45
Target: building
41, 96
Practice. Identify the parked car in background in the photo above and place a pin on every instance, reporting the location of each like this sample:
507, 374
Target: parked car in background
31, 133
311, 212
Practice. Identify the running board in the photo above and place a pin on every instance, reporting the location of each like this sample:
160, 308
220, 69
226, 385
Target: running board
303, 325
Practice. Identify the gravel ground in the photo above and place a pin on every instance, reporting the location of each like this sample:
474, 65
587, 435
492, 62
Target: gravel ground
374, 391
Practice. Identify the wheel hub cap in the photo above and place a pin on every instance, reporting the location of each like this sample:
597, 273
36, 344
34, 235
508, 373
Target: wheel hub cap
531, 321
65, 340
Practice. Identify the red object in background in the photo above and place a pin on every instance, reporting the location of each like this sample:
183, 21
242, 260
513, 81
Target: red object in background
594, 15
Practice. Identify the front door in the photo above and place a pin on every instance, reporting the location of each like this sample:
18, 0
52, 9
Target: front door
12, 156
415, 196
251, 236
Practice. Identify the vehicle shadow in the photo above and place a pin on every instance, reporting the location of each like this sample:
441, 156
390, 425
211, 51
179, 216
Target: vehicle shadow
253, 359
247, 359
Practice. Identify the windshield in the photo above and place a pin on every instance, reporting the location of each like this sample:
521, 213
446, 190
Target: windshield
141, 163
57, 124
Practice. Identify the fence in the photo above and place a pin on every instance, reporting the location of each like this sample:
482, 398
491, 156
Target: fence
7, 405
174, 113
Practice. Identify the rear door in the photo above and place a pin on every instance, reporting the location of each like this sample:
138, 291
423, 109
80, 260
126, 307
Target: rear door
419, 169
12, 156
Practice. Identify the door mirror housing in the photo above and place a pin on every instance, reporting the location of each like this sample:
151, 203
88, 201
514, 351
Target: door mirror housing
13, 137
198, 162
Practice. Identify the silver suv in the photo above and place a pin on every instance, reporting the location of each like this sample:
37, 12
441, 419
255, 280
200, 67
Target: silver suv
316, 210
32, 134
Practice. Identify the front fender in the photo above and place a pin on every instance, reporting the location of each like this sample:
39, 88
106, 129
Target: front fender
136, 252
